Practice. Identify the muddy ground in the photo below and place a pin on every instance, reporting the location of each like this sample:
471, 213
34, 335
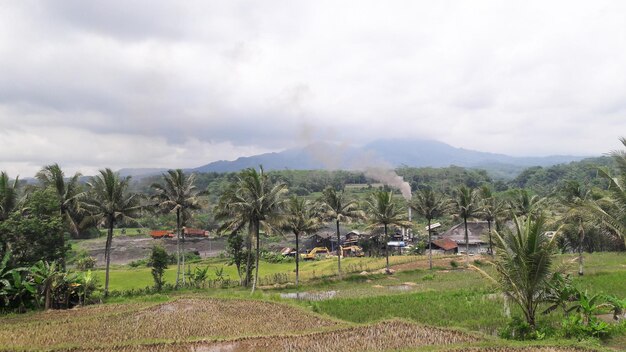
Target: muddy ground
126, 249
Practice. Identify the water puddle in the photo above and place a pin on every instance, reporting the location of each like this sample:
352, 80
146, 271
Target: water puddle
309, 296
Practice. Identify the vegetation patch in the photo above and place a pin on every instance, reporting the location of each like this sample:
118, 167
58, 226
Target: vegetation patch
391, 335
179, 320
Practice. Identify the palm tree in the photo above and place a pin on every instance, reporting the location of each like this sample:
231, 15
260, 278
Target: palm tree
8, 195
109, 202
613, 213
384, 211
68, 193
524, 264
178, 194
491, 210
300, 218
577, 217
252, 201
430, 205
336, 207
523, 204
467, 205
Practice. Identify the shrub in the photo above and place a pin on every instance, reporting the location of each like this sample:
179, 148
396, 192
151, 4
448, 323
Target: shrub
428, 277
454, 264
85, 263
519, 329
159, 260
139, 262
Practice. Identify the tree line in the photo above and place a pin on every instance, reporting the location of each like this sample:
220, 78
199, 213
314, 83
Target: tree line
34, 224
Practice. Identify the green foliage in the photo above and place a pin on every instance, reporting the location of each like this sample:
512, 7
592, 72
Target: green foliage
524, 264
37, 234
519, 329
454, 264
159, 261
575, 326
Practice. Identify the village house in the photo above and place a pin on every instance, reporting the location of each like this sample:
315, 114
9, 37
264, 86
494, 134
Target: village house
477, 234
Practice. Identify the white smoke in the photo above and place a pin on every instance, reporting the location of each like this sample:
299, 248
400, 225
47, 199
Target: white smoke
390, 178
374, 167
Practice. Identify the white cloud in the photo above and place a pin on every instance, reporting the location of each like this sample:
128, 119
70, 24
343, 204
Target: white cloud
163, 84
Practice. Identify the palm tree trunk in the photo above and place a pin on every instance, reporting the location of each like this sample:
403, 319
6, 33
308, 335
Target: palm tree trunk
430, 247
490, 241
297, 260
182, 254
107, 254
258, 253
580, 249
387, 250
249, 259
177, 247
338, 251
466, 242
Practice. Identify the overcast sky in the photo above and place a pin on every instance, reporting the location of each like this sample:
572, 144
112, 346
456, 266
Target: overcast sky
158, 84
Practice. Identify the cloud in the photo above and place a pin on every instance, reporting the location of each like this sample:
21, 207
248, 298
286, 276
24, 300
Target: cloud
522, 78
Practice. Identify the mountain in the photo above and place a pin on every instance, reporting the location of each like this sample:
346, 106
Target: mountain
385, 152
379, 153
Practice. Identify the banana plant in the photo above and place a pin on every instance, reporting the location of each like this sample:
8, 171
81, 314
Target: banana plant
46, 277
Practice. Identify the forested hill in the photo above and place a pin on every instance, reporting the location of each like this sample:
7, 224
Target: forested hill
537, 179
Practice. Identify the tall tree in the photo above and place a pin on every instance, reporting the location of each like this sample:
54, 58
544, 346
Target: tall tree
178, 194
109, 202
577, 217
336, 207
8, 195
384, 211
68, 193
252, 200
613, 209
301, 217
466, 205
430, 205
524, 264
525, 204
491, 210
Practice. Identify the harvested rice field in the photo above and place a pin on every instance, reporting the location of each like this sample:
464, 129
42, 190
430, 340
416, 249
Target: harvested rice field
211, 324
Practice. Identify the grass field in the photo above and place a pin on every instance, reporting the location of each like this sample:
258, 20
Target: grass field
125, 278
445, 309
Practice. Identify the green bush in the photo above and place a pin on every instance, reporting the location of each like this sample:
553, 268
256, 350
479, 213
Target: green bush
139, 262
454, 264
85, 263
159, 260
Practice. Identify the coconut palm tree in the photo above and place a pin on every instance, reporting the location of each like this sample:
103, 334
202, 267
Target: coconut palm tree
8, 195
178, 194
577, 218
430, 205
466, 205
524, 263
68, 192
336, 207
612, 210
491, 210
252, 201
384, 211
525, 204
109, 202
301, 217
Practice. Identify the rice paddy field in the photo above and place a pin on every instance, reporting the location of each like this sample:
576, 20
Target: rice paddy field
447, 309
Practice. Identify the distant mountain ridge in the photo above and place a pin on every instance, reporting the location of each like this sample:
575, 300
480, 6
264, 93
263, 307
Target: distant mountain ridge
390, 152
379, 153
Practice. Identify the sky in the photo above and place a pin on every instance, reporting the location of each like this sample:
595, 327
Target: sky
182, 83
